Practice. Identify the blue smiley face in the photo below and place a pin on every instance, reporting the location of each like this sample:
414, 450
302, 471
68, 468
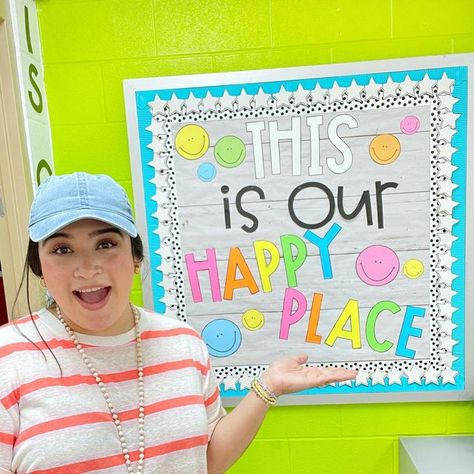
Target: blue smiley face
206, 172
222, 337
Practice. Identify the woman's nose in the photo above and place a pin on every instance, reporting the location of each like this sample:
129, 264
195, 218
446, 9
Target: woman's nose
87, 267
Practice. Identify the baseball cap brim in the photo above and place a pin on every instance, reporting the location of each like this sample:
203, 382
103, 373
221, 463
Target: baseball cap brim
44, 228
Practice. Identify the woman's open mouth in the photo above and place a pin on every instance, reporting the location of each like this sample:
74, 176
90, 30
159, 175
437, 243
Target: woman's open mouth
92, 296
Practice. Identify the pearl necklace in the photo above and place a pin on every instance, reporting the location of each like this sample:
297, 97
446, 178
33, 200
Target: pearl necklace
108, 401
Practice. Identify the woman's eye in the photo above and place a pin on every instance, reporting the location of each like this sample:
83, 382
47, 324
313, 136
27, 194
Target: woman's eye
106, 245
61, 250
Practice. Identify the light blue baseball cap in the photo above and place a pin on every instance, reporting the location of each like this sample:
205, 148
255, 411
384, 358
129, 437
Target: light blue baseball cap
62, 200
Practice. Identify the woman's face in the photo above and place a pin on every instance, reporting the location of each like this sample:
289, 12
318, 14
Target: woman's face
88, 269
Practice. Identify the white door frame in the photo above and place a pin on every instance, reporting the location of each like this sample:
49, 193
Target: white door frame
15, 183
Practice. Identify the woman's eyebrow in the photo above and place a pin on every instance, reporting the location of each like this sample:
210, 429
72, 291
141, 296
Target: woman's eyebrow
95, 233
61, 235
105, 230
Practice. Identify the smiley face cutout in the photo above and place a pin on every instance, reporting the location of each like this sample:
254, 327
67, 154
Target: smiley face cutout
192, 142
229, 151
413, 268
377, 265
384, 149
222, 337
253, 320
410, 125
206, 172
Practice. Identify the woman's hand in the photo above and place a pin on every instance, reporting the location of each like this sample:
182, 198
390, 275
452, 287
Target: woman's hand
289, 374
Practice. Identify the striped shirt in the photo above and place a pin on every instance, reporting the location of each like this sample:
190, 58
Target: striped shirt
59, 423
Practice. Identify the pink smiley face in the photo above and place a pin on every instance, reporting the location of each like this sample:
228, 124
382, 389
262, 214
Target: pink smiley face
377, 265
410, 125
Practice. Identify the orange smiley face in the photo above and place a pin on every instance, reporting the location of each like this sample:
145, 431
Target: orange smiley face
384, 149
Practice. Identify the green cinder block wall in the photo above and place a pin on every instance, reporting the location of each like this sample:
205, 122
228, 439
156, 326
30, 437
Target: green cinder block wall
90, 46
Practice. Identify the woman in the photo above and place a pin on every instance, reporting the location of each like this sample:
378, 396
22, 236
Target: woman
93, 384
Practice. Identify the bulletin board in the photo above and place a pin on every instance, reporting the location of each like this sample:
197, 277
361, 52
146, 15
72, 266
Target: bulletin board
315, 209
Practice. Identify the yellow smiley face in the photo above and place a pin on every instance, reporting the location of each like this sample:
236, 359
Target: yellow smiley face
253, 320
384, 149
413, 268
191, 142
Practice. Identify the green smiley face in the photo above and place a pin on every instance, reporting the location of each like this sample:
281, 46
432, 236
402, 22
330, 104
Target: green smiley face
229, 151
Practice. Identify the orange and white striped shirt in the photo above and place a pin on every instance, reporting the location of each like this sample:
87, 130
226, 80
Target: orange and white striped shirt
59, 423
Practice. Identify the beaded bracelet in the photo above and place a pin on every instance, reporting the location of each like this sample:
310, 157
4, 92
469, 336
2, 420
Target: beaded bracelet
263, 392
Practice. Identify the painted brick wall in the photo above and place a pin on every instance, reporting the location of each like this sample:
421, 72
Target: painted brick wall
90, 46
